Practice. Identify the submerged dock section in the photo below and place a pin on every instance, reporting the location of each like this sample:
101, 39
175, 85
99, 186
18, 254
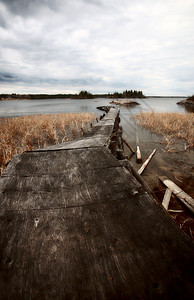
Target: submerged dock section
76, 224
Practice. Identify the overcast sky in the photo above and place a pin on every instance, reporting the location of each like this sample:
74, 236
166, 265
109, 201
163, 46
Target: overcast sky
62, 46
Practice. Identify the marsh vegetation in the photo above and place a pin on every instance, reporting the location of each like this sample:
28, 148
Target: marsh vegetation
170, 125
39, 131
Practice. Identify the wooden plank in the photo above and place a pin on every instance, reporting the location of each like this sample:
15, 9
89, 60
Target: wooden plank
73, 187
184, 197
100, 251
140, 171
112, 114
98, 140
59, 162
103, 130
166, 199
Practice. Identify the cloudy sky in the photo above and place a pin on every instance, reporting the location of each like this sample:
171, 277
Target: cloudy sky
62, 46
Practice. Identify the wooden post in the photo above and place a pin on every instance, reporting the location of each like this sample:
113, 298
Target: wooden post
140, 171
166, 199
123, 140
184, 197
138, 154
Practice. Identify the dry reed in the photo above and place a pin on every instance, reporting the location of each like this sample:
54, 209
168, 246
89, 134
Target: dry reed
32, 132
174, 124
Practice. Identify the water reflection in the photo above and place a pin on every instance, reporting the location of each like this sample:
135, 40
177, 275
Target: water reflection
84, 108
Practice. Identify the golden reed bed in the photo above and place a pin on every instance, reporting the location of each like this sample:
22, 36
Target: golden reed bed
174, 124
32, 132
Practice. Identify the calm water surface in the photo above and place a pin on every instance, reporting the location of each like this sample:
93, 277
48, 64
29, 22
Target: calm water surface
18, 108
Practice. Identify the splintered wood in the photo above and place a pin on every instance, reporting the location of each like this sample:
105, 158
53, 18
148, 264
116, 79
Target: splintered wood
166, 199
140, 171
184, 197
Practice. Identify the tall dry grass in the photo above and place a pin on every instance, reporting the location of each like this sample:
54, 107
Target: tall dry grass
39, 131
174, 124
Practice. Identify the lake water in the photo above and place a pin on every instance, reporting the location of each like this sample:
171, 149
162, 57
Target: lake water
18, 108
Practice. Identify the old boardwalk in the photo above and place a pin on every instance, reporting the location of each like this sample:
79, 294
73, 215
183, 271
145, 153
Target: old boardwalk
76, 224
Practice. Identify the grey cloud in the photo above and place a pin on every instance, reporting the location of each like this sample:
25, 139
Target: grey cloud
3, 22
6, 77
28, 7
17, 6
103, 45
93, 2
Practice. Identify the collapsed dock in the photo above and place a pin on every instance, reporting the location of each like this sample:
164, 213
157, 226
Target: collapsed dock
75, 223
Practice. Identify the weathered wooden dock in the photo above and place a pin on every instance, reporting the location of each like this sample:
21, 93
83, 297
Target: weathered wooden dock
76, 224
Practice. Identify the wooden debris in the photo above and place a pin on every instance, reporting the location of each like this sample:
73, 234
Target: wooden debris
140, 171
184, 197
166, 199
181, 225
175, 210
191, 233
138, 154
123, 140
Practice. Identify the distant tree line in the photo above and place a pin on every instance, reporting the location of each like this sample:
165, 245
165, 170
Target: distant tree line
81, 95
128, 94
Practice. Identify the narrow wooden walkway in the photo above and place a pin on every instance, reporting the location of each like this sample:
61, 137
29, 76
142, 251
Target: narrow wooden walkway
76, 224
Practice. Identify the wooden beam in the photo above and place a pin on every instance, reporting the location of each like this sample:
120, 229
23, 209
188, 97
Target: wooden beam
123, 140
166, 199
184, 197
140, 171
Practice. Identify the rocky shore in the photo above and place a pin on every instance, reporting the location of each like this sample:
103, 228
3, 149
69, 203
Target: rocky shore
188, 102
124, 102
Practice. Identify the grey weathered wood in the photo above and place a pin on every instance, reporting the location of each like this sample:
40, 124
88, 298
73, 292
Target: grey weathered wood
184, 197
140, 171
76, 224
166, 199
